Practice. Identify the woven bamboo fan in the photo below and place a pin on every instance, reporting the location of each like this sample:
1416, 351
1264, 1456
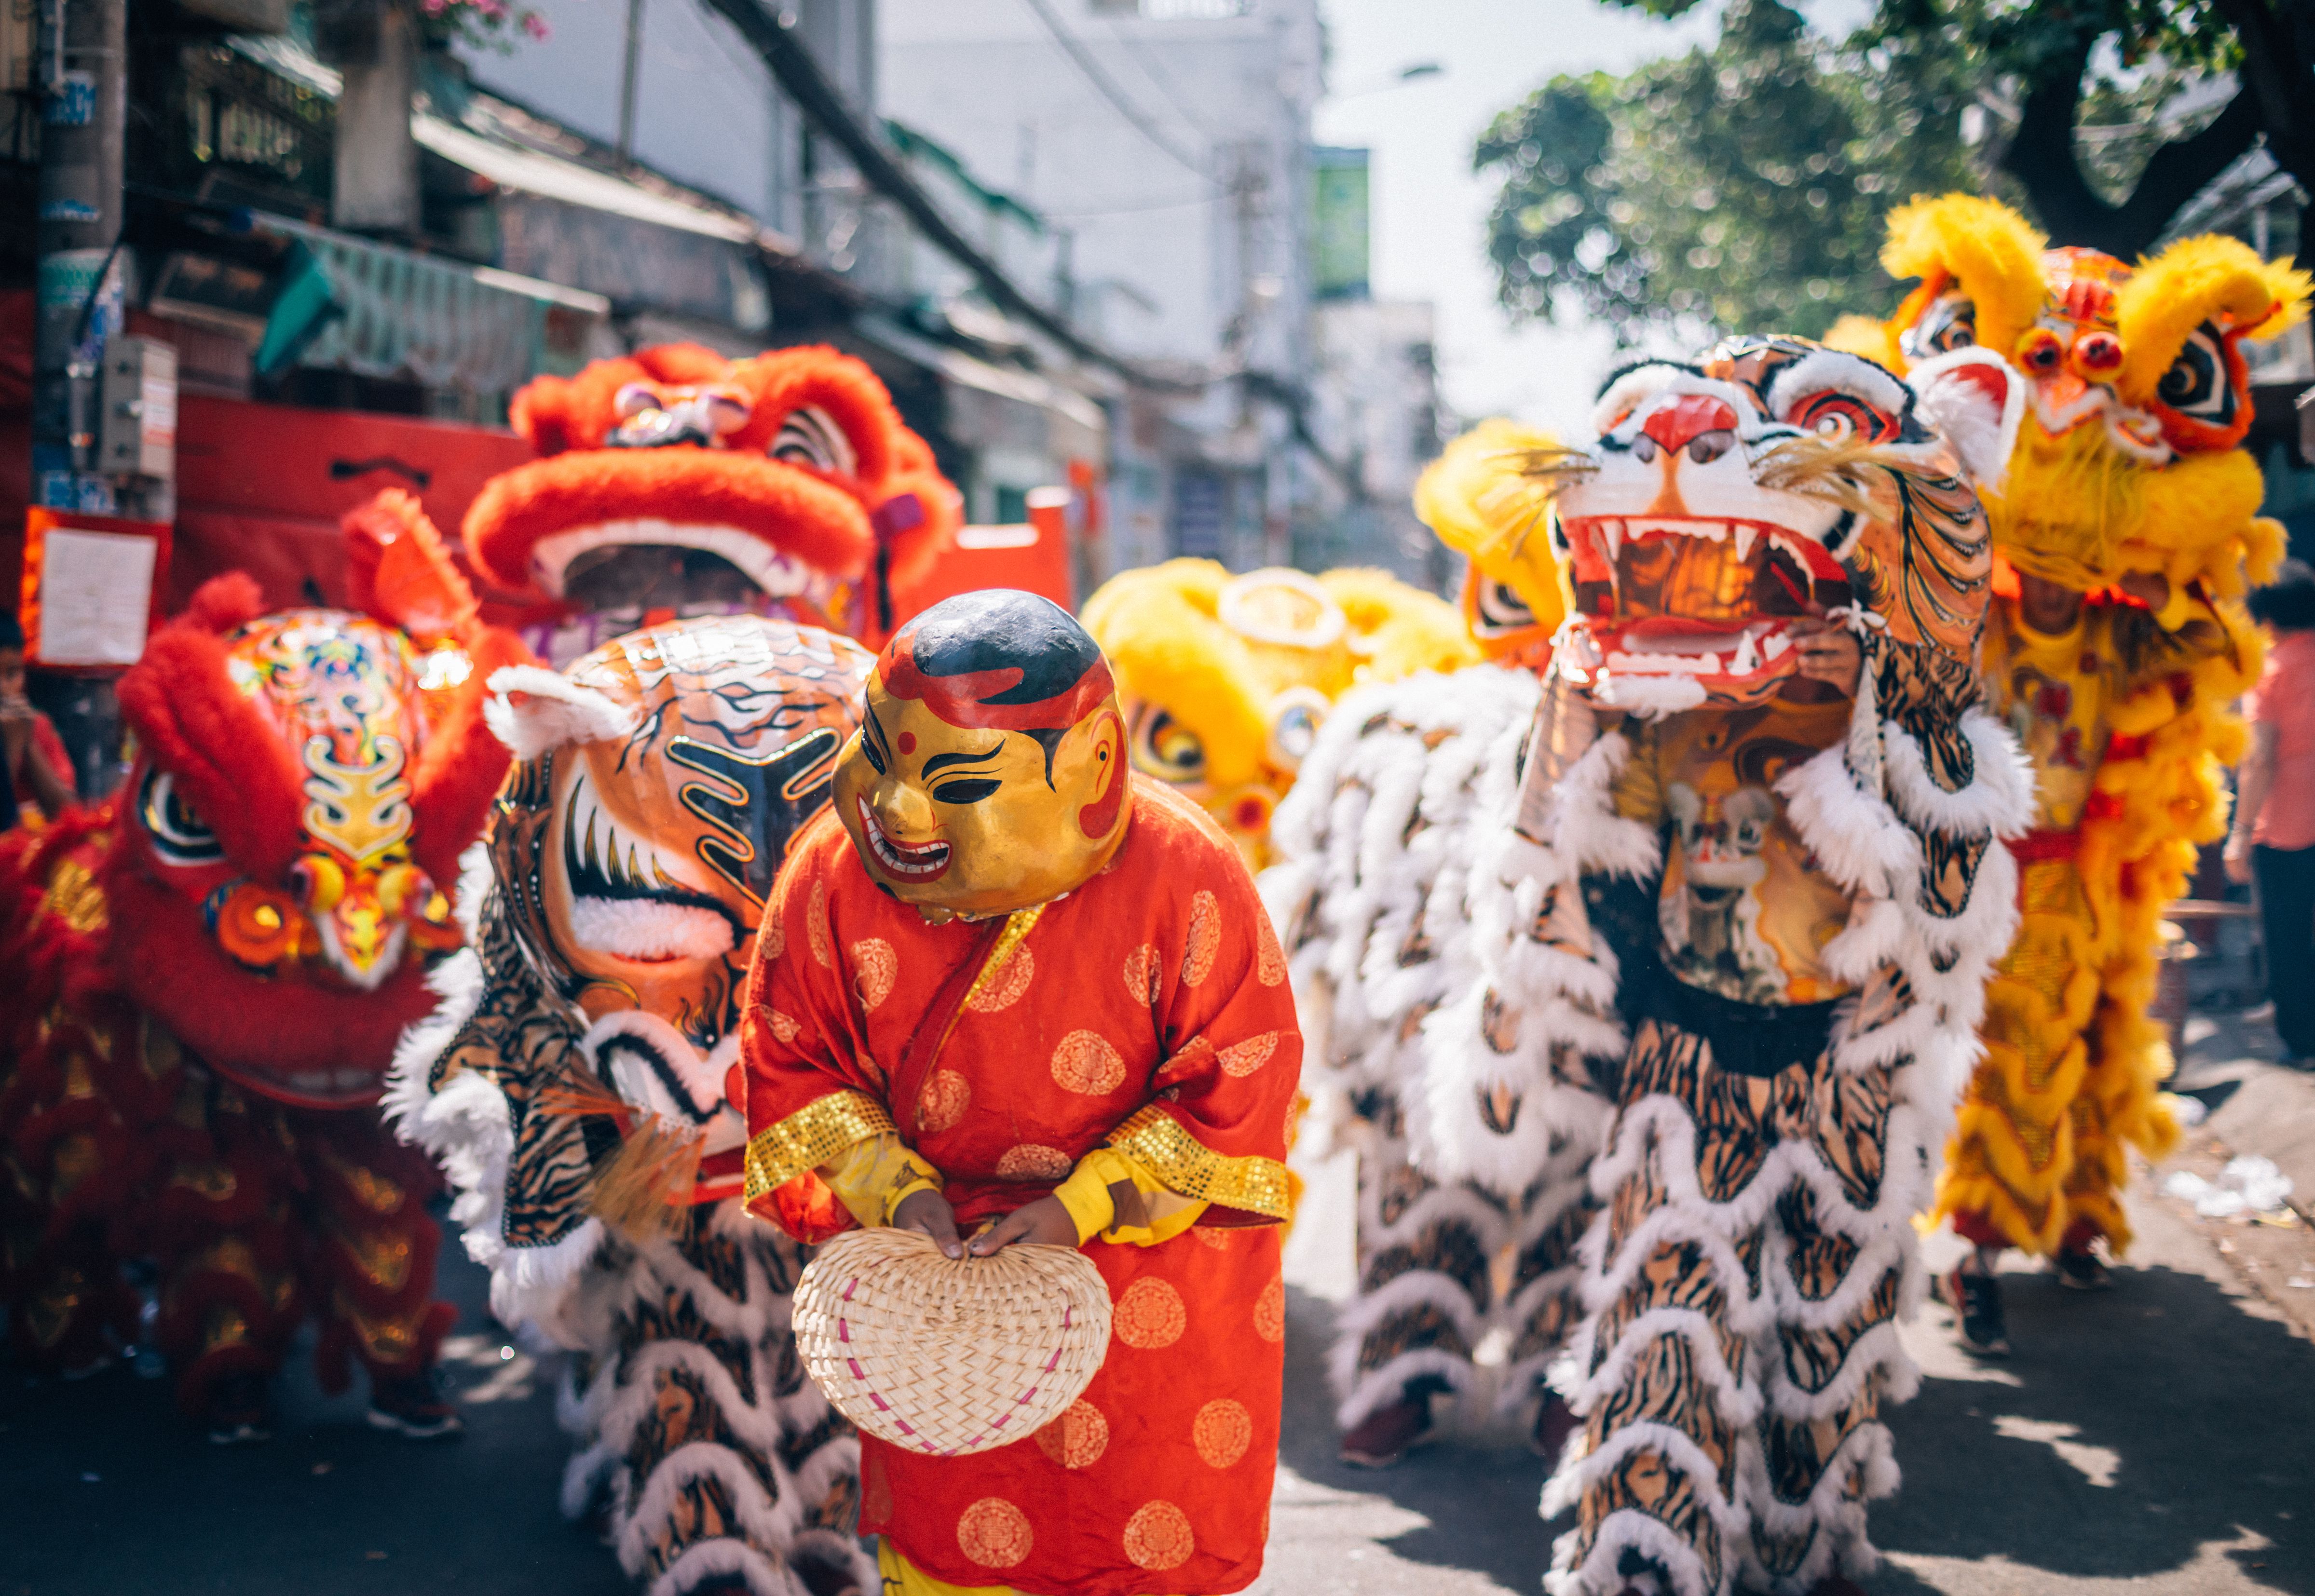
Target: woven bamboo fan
945, 1357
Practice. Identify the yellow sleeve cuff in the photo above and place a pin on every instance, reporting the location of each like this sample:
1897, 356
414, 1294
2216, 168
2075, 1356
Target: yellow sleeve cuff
871, 1178
816, 1134
1085, 1194
921, 1184
1157, 1213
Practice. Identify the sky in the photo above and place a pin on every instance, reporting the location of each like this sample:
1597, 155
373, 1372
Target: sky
1429, 212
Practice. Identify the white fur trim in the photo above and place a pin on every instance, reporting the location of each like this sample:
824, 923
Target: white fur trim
778, 574
644, 928
553, 712
1977, 400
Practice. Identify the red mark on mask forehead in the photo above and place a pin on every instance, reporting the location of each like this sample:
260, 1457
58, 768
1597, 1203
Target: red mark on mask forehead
908, 742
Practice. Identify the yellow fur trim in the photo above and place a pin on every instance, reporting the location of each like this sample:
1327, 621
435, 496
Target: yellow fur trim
1862, 335
2210, 279
1398, 630
1993, 254
1158, 626
1476, 498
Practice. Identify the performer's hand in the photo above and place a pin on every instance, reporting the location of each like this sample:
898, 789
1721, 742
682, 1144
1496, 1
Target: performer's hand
1828, 654
16, 727
2236, 859
1045, 1222
928, 1213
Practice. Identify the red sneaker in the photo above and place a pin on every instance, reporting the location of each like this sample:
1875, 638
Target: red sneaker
1386, 1434
413, 1407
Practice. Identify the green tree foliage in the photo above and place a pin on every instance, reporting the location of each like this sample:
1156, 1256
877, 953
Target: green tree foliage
1743, 187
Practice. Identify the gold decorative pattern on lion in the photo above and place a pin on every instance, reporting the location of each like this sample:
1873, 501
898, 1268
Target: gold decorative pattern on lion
1227, 680
2126, 525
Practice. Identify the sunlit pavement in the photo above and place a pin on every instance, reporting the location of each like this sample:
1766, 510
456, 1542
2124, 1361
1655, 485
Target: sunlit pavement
2158, 1439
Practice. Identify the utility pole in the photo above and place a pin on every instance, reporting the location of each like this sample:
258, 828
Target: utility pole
83, 73
630, 71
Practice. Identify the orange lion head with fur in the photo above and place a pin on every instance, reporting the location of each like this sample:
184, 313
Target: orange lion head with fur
676, 483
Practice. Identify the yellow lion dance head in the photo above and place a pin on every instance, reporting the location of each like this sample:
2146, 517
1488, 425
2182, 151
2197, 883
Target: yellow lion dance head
1226, 679
1485, 498
2139, 392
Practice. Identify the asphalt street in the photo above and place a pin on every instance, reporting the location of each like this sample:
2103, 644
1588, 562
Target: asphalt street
2158, 1439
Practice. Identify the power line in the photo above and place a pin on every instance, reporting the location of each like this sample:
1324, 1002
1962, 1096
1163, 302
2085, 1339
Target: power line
1098, 75
799, 75
1155, 71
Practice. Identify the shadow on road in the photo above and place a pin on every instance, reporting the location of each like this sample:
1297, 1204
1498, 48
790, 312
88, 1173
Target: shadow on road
106, 1488
2129, 1432
1480, 1499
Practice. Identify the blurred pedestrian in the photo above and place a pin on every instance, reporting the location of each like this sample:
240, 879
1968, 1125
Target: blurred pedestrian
2274, 836
37, 773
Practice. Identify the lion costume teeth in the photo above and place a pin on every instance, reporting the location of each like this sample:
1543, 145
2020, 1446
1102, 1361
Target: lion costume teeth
2124, 469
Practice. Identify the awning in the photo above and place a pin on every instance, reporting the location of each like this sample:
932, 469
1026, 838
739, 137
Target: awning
1024, 387
530, 171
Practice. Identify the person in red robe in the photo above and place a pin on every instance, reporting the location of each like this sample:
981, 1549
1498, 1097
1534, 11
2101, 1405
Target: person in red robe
1007, 990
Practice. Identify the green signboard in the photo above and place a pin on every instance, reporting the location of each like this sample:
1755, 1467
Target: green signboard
1339, 222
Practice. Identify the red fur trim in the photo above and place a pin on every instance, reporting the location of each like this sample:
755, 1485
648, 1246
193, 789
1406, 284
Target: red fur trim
458, 775
252, 1029
219, 745
800, 511
224, 602
784, 380
799, 514
554, 413
398, 569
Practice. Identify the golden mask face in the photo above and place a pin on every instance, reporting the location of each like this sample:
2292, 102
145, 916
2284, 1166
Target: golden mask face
990, 771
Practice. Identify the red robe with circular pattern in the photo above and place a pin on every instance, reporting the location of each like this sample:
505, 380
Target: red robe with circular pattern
1157, 983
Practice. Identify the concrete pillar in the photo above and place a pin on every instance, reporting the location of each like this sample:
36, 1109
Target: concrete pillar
377, 179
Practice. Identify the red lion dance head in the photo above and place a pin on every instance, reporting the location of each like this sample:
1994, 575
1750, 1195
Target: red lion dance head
305, 782
676, 483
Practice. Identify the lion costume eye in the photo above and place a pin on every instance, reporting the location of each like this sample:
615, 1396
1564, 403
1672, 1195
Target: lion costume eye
1165, 748
1837, 418
1950, 322
2196, 385
810, 436
179, 836
1501, 609
1295, 716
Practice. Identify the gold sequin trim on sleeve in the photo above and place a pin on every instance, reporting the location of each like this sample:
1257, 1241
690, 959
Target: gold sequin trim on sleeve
1156, 1140
814, 1135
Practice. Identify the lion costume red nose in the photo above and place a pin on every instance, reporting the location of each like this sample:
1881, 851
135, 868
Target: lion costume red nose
1690, 416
